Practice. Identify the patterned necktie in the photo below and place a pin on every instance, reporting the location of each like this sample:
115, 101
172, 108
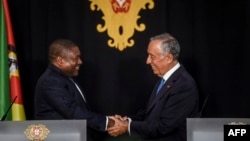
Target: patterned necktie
160, 85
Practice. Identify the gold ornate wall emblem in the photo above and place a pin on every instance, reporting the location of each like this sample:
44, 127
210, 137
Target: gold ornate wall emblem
120, 17
36, 132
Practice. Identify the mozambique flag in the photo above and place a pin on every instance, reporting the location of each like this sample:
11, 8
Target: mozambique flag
10, 86
4, 77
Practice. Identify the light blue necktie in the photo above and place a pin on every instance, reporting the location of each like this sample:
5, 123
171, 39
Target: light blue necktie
160, 85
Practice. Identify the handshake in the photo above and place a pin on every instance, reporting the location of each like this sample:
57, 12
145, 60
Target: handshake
117, 125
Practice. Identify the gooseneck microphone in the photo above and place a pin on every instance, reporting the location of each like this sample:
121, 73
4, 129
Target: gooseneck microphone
5, 115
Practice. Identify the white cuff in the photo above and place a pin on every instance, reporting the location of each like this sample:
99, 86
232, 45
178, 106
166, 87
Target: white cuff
129, 122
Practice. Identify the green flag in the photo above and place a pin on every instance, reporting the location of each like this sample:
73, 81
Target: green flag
4, 69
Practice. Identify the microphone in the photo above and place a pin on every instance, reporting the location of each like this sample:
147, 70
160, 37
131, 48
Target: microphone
5, 115
203, 106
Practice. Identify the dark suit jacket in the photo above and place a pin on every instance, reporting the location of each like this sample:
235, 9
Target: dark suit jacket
165, 116
57, 97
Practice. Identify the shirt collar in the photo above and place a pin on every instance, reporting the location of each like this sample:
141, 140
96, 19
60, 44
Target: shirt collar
171, 71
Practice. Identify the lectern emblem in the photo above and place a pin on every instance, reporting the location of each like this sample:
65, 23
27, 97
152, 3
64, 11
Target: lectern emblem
36, 132
237, 123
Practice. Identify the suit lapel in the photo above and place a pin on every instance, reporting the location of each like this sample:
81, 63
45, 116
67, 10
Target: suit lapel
165, 88
77, 93
79, 97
